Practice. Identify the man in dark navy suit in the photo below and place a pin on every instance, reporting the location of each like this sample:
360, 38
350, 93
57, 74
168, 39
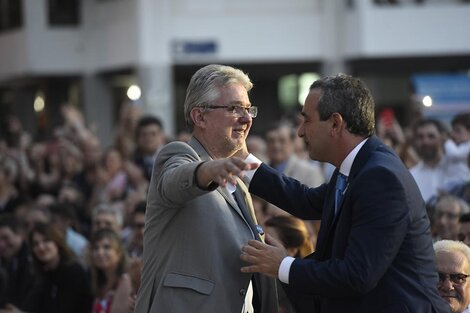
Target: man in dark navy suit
374, 251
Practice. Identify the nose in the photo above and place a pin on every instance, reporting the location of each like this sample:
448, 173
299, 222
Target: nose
446, 285
99, 251
245, 117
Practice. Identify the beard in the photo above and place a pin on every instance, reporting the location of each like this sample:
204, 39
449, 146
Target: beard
428, 153
229, 147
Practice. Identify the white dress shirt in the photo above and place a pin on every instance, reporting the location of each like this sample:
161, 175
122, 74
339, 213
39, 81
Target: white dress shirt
432, 179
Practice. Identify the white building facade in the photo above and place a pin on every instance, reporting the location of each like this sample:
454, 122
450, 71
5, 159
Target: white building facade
94, 54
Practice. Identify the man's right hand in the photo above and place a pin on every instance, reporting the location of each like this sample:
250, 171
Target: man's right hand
222, 171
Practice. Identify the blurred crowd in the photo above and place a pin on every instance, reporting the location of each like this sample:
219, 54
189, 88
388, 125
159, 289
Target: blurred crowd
72, 209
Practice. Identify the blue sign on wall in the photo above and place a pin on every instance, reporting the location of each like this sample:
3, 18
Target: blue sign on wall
188, 48
450, 93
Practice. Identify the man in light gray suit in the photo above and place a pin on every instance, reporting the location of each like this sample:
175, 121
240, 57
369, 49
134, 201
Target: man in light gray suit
198, 217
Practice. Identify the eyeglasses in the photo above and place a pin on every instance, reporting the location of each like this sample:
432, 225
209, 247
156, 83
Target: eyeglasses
462, 237
236, 110
456, 278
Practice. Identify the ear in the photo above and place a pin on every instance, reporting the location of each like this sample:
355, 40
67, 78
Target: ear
337, 124
198, 117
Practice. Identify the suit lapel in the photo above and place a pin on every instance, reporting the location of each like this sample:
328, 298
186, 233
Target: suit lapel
370, 145
248, 200
325, 240
204, 155
229, 198
328, 219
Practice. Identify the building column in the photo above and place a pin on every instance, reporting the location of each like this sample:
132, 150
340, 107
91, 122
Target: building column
155, 54
98, 108
333, 48
156, 82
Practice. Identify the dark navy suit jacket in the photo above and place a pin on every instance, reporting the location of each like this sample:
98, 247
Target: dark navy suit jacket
376, 255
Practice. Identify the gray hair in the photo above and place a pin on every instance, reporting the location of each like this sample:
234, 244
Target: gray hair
204, 87
351, 98
452, 246
450, 199
104, 208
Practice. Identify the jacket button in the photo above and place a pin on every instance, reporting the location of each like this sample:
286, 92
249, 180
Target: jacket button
242, 292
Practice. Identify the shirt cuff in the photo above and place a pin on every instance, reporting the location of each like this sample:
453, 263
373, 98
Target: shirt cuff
284, 269
249, 174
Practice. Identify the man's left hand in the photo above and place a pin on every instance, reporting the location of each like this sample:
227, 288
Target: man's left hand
265, 258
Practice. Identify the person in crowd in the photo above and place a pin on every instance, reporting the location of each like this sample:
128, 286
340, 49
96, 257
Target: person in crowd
35, 215
15, 261
453, 266
294, 236
87, 177
15, 143
46, 167
459, 190
44, 201
446, 220
9, 195
183, 136
464, 232
280, 138
113, 177
374, 251
149, 137
71, 195
135, 245
135, 248
129, 115
111, 283
64, 218
60, 284
458, 148
107, 216
292, 233
76, 131
392, 134
257, 145
13, 132
71, 159
194, 225
435, 170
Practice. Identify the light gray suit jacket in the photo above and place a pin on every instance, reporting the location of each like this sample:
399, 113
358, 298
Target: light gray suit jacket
305, 172
193, 240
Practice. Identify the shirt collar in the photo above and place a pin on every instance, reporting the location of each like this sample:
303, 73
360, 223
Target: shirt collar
347, 163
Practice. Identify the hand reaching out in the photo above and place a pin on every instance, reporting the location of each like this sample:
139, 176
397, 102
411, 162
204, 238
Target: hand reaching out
222, 171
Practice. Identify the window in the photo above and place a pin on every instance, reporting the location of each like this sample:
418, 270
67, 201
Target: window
64, 13
294, 88
11, 16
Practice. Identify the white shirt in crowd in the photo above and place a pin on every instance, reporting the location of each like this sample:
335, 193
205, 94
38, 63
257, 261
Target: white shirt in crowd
431, 179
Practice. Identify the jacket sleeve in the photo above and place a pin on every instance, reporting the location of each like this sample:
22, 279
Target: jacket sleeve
173, 176
287, 193
380, 219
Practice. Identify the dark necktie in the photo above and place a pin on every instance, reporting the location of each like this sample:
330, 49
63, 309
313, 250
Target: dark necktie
341, 183
238, 196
